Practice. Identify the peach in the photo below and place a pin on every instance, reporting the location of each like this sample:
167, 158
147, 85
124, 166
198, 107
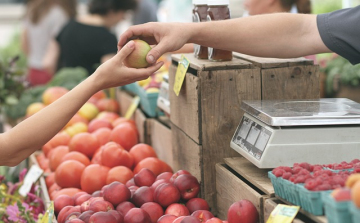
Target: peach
202, 215
154, 210
82, 199
352, 179
65, 212
108, 104
119, 217
167, 218
195, 204
179, 219
143, 195
165, 176
341, 194
177, 210
62, 201
124, 207
166, 194
144, 177
98, 206
355, 194
137, 58
189, 219
96, 124
85, 216
52, 94
242, 211
102, 135
84, 143
178, 173
188, 186
137, 215
214, 220
75, 220
33, 108
100, 217
88, 111
110, 116
116, 193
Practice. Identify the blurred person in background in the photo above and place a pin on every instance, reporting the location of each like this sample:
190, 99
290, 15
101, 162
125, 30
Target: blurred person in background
257, 7
145, 12
43, 21
88, 41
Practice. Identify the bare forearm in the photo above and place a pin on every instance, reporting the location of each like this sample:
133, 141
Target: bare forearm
34, 132
274, 35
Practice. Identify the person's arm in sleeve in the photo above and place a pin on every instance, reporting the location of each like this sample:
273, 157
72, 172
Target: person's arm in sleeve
32, 133
281, 35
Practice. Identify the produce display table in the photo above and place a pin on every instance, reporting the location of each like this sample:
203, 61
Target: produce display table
207, 111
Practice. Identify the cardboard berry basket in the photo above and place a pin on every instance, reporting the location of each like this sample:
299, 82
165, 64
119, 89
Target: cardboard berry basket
337, 212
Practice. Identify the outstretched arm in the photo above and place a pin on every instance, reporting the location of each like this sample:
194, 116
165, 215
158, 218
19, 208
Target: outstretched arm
281, 35
31, 134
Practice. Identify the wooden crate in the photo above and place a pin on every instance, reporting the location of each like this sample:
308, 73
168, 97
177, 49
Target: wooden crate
160, 139
207, 110
239, 179
125, 99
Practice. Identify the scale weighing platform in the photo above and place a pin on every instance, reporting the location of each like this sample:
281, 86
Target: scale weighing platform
284, 132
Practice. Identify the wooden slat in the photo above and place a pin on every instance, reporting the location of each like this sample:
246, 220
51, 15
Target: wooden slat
299, 82
221, 95
161, 141
230, 189
256, 176
266, 63
140, 122
186, 153
202, 65
185, 107
124, 100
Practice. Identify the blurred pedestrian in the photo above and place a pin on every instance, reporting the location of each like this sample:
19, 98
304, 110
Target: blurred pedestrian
43, 21
88, 41
145, 12
257, 7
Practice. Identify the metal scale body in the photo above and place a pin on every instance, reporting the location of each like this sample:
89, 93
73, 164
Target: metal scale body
281, 133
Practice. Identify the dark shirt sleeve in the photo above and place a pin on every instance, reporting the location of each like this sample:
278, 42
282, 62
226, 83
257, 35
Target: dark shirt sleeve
340, 32
109, 46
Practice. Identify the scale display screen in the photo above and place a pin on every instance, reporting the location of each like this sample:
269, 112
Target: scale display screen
251, 137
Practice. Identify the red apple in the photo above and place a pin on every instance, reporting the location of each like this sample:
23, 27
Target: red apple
100, 217
98, 206
178, 173
116, 193
142, 196
85, 216
62, 201
124, 207
195, 204
144, 177
188, 186
154, 210
165, 176
177, 210
119, 217
166, 194
167, 218
137, 215
82, 199
214, 220
242, 211
202, 215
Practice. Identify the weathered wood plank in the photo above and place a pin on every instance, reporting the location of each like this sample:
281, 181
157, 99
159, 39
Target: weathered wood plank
140, 122
230, 189
256, 176
266, 63
185, 107
221, 95
161, 141
203, 65
124, 99
297, 82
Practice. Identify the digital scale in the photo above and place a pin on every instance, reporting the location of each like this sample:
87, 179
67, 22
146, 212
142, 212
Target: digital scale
284, 132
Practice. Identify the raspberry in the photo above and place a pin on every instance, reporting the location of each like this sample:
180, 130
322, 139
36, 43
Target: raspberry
304, 172
287, 169
286, 175
324, 186
296, 170
355, 161
305, 166
356, 170
300, 179
311, 185
278, 172
292, 178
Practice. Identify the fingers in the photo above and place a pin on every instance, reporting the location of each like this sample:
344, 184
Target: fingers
125, 51
157, 51
146, 72
144, 32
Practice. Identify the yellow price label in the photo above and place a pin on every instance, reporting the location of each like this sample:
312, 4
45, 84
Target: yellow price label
283, 214
49, 214
132, 108
180, 74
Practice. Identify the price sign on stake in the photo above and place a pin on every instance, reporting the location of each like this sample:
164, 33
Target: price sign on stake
31, 177
180, 74
132, 108
283, 214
